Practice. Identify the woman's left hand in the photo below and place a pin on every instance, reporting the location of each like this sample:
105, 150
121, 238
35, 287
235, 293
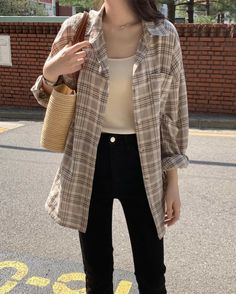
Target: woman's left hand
173, 204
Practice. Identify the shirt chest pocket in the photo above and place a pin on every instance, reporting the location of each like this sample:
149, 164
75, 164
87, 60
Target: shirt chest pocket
160, 86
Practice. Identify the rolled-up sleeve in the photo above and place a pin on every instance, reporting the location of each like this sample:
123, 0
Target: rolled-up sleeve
174, 127
40, 95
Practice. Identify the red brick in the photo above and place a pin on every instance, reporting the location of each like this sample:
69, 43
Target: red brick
209, 63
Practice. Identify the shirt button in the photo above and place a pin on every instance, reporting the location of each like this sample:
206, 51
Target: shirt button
112, 139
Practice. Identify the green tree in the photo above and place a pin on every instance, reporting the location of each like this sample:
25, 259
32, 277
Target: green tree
204, 19
194, 9
223, 6
80, 5
21, 8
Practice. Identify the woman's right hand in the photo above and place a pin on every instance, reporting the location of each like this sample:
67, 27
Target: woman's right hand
68, 60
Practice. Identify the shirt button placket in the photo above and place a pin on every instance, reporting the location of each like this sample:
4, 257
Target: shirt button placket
138, 122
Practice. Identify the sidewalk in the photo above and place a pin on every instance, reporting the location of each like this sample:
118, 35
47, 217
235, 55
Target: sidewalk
221, 121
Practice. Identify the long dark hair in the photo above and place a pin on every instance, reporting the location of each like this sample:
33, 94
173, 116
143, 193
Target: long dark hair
146, 10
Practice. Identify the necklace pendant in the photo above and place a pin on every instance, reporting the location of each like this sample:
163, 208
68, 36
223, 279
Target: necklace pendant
123, 27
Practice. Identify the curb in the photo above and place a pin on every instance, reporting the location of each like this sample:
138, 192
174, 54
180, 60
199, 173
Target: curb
214, 121
22, 114
196, 120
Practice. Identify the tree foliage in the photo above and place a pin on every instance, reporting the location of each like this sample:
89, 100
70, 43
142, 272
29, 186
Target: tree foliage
199, 8
191, 9
80, 4
224, 6
21, 8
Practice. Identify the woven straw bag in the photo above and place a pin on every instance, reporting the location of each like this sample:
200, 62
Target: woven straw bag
61, 107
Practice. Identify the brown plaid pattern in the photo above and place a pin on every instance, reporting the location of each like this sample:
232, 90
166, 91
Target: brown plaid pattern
160, 112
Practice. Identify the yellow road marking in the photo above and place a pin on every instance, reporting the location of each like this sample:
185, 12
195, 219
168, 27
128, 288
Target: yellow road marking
6, 126
38, 281
212, 134
123, 287
21, 272
3, 130
59, 287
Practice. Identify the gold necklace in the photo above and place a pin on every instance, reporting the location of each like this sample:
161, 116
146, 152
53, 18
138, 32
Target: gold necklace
122, 27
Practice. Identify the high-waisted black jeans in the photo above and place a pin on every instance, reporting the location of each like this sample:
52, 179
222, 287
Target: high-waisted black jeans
118, 175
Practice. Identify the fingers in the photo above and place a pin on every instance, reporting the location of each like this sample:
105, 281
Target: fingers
72, 53
78, 46
80, 54
171, 221
74, 62
79, 59
177, 213
69, 59
77, 65
169, 212
172, 213
68, 45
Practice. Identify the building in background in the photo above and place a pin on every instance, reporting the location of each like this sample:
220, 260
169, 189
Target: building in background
54, 8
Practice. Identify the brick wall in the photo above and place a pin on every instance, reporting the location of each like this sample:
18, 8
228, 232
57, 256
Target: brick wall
30, 45
209, 54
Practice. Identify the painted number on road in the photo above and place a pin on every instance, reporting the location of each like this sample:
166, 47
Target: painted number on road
59, 287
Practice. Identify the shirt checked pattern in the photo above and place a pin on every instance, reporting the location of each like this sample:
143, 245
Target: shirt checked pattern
160, 113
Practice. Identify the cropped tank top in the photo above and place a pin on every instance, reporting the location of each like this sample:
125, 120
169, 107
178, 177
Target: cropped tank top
118, 117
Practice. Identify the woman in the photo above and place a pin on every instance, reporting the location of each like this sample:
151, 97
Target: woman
127, 140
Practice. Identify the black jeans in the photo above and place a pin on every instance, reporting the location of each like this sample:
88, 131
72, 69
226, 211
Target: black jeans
118, 175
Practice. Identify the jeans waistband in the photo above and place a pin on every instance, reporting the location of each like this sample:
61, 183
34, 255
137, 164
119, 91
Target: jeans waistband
119, 138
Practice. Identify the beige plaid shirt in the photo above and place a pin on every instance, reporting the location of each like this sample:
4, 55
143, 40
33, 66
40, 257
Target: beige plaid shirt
160, 113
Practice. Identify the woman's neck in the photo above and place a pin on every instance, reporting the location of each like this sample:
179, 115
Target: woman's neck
118, 13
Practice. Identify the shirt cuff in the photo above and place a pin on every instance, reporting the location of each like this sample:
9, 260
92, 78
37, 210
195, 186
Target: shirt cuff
175, 161
39, 93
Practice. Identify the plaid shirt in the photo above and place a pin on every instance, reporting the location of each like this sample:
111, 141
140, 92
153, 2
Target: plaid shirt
160, 112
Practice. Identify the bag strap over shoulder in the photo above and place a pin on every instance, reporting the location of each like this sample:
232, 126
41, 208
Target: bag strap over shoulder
80, 33
78, 37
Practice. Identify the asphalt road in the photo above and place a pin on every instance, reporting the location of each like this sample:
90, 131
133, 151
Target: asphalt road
39, 256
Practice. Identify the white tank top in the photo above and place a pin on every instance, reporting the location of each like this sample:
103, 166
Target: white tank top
119, 117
